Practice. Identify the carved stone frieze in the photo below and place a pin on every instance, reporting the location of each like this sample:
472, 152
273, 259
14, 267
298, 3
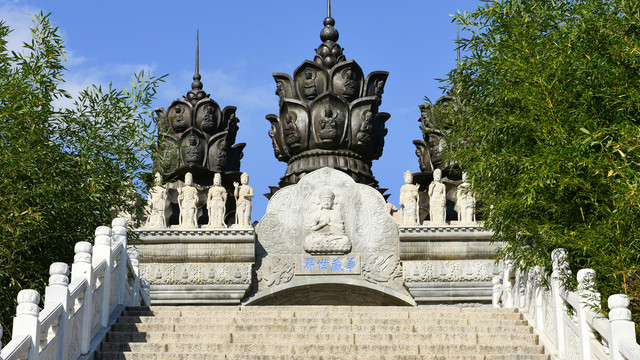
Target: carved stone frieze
450, 270
275, 270
196, 273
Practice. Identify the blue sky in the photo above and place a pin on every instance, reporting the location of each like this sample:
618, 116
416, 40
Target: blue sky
242, 43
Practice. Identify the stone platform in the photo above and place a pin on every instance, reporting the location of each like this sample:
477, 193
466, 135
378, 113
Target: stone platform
448, 263
196, 266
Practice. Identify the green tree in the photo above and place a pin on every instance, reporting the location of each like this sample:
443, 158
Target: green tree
64, 171
550, 134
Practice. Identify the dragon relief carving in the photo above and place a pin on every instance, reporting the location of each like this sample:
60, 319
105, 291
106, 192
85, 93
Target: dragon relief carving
275, 270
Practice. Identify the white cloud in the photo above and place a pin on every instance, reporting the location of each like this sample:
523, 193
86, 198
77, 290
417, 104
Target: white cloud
17, 18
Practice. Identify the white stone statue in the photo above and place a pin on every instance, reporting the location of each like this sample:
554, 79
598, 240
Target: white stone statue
188, 202
243, 194
216, 203
157, 202
438, 200
466, 203
409, 201
327, 229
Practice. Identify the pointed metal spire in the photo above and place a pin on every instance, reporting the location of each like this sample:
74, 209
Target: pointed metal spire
328, 8
197, 51
196, 93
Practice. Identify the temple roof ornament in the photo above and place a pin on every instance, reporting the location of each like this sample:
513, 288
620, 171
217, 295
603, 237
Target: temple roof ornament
329, 114
195, 135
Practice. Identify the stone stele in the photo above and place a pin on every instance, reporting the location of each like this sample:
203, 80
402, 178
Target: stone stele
289, 272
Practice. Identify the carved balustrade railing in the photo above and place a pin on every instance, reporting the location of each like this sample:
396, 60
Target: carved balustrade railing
569, 323
78, 313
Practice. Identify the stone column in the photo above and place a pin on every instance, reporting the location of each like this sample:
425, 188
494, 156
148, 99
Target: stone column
102, 251
26, 320
621, 326
58, 293
560, 269
82, 269
119, 236
589, 299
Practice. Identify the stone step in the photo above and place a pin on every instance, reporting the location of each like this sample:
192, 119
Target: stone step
398, 315
312, 349
317, 321
340, 338
328, 327
322, 309
208, 356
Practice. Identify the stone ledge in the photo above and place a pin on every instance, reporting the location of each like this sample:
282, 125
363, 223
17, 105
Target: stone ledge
171, 235
443, 232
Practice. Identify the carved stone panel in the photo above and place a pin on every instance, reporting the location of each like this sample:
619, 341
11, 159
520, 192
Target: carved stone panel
328, 204
196, 273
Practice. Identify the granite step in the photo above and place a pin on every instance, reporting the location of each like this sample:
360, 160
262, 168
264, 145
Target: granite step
340, 338
315, 349
306, 328
209, 356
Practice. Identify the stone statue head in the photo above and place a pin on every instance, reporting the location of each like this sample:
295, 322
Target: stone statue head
408, 177
158, 178
437, 175
464, 176
326, 199
188, 179
244, 179
217, 179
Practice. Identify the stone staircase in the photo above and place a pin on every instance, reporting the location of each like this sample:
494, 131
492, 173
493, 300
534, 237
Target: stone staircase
320, 332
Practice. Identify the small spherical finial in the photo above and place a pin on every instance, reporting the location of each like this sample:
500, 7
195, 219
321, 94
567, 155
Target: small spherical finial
329, 33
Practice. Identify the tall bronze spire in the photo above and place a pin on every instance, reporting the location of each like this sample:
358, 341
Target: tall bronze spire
196, 93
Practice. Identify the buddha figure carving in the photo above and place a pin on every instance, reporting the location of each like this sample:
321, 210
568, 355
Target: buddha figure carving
157, 201
179, 124
192, 154
409, 201
243, 194
364, 135
465, 203
327, 228
216, 200
208, 123
310, 89
280, 91
328, 131
291, 132
188, 203
349, 84
438, 199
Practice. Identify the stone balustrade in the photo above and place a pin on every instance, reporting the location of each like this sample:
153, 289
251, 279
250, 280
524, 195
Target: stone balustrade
79, 311
569, 323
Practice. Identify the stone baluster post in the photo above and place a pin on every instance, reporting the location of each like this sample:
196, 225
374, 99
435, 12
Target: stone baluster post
620, 324
507, 281
589, 299
134, 256
497, 291
58, 293
26, 321
538, 273
560, 269
119, 235
82, 269
102, 251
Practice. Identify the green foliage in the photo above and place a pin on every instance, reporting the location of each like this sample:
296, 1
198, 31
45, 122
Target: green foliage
64, 171
551, 91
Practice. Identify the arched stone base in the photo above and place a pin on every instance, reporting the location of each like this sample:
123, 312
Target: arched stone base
330, 291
